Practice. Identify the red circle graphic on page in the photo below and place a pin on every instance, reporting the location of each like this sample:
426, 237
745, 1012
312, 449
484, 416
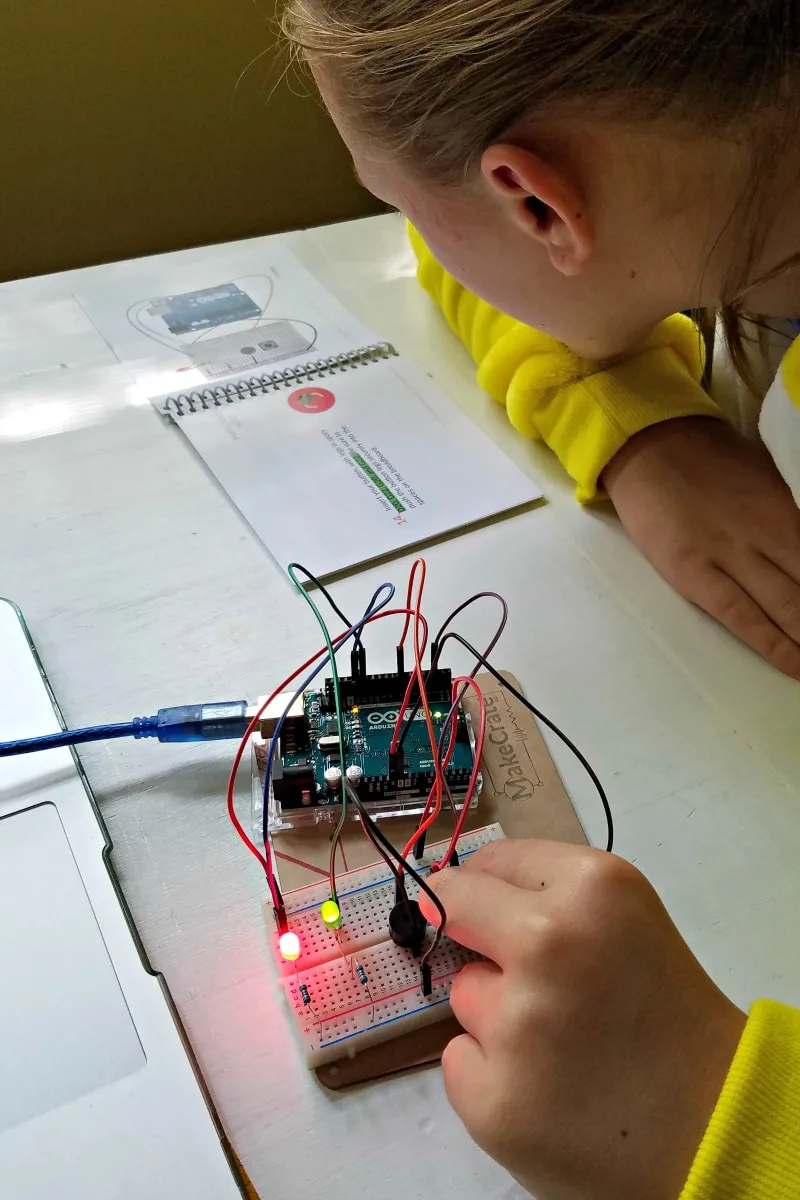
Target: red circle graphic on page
311, 400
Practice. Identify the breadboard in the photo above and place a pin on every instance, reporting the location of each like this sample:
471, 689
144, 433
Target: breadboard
343, 1013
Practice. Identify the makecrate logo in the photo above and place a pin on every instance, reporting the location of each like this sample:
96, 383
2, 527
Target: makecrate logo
510, 758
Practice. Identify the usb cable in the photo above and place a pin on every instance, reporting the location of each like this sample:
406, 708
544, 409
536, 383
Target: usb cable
184, 723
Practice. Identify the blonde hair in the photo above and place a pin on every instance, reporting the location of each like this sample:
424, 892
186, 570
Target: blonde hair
437, 81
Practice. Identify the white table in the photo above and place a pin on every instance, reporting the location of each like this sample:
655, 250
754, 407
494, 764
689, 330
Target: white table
142, 587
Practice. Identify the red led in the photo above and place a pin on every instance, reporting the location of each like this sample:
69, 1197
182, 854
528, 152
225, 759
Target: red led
289, 946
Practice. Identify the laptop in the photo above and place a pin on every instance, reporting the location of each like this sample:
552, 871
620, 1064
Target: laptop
98, 1097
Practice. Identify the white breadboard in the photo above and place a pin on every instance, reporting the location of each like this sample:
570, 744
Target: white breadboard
344, 1014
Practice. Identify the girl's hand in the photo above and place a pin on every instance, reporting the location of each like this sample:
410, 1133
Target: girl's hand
595, 1046
714, 516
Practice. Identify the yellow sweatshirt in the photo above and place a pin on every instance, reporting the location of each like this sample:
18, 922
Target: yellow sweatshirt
751, 1149
585, 415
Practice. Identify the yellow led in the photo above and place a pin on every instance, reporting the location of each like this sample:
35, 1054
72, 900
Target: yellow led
331, 916
354, 709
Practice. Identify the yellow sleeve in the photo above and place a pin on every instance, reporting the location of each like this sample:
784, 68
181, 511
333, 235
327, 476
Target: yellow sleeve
751, 1149
583, 411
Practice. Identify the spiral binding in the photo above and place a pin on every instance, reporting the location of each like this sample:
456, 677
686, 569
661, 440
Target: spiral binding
182, 404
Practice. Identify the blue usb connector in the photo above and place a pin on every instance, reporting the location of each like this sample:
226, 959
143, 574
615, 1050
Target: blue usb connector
184, 723
198, 722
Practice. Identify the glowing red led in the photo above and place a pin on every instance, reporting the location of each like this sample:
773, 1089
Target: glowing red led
289, 946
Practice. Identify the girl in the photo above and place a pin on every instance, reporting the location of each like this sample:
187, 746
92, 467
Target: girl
591, 168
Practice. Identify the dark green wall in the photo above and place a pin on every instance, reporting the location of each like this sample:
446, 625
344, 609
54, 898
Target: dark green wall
123, 132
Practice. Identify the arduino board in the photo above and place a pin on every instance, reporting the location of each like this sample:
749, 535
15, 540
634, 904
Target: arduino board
204, 309
306, 783
353, 987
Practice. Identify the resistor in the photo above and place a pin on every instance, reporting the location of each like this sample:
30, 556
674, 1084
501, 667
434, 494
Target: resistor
304, 996
362, 974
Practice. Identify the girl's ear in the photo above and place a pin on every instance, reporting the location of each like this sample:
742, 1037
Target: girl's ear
543, 201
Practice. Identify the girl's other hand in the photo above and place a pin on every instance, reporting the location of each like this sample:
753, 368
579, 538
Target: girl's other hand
713, 515
595, 1046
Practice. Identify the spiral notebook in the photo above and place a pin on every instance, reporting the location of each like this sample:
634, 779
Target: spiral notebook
335, 449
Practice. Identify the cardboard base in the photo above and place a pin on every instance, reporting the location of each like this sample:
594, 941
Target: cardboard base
521, 789
411, 1051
